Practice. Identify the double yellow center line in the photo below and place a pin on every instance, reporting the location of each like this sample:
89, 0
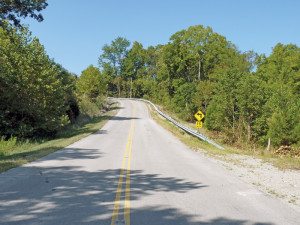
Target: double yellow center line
124, 175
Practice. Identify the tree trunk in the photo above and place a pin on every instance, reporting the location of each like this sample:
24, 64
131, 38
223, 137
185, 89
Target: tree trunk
248, 132
269, 144
119, 87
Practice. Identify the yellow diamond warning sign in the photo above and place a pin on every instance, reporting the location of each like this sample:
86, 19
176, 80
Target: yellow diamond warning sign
199, 115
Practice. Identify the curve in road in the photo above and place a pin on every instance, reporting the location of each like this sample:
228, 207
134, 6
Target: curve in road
133, 171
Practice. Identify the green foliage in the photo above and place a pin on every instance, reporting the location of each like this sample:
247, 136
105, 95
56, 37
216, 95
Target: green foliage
248, 97
251, 97
34, 91
111, 62
91, 88
281, 72
203, 94
15, 152
113, 55
13, 10
90, 108
7, 145
222, 111
133, 65
181, 101
90, 83
216, 114
285, 117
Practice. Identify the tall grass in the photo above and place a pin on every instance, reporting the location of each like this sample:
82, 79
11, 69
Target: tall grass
7, 146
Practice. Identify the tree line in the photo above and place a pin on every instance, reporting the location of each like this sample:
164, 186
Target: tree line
38, 97
247, 97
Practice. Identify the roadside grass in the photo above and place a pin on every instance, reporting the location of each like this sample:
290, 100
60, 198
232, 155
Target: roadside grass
281, 162
14, 153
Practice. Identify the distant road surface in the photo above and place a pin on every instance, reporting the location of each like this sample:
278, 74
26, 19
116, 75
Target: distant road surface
133, 172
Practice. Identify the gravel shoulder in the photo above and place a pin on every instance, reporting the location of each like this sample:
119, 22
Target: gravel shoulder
282, 184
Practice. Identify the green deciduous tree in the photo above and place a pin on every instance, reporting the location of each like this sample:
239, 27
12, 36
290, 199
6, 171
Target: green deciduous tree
91, 88
111, 60
281, 72
90, 83
251, 98
182, 100
33, 98
133, 65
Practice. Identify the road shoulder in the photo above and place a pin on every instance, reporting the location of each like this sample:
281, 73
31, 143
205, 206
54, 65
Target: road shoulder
283, 184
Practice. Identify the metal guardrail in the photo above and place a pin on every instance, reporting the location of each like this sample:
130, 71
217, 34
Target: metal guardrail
185, 128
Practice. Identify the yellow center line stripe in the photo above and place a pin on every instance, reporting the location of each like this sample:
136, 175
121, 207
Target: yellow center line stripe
117, 202
119, 191
127, 188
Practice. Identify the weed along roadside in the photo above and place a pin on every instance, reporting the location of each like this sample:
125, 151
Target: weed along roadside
14, 153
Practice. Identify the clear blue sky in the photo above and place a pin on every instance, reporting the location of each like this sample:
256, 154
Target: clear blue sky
74, 31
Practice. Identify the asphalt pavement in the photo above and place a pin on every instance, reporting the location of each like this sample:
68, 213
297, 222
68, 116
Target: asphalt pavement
133, 171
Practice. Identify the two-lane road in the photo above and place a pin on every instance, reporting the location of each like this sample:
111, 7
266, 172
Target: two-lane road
133, 172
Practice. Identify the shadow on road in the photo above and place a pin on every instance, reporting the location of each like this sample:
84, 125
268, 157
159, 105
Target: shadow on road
120, 118
76, 153
171, 216
71, 195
